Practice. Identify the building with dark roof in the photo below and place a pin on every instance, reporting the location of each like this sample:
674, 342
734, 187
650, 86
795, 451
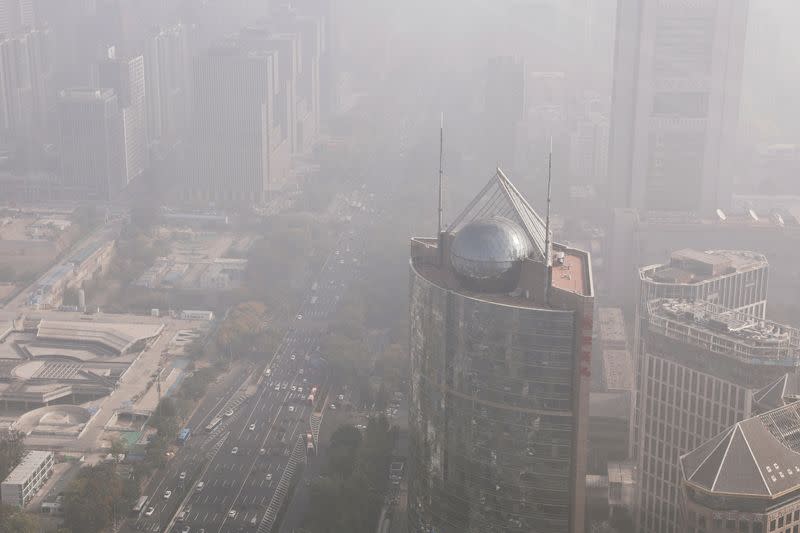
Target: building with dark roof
746, 478
700, 365
501, 334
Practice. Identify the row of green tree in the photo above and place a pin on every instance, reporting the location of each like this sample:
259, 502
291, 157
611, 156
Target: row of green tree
350, 495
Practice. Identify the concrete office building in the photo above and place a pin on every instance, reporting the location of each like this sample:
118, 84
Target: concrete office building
700, 365
500, 373
747, 478
733, 279
168, 71
675, 103
241, 154
126, 78
27, 478
15, 15
92, 144
286, 51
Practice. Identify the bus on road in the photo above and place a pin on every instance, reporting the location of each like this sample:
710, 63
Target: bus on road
139, 507
214, 423
184, 435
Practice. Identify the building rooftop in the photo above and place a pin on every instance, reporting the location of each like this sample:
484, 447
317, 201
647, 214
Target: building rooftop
495, 250
784, 390
758, 457
692, 266
611, 324
117, 337
725, 331
28, 466
617, 370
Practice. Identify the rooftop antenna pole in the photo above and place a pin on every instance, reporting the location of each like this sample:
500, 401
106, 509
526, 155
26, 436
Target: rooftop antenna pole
441, 178
547, 261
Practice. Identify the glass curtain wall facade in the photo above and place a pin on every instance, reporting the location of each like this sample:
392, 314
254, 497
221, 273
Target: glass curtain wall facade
492, 430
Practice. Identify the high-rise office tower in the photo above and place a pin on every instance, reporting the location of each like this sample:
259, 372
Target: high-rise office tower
286, 49
700, 364
92, 144
310, 32
747, 478
677, 78
500, 373
240, 156
16, 15
126, 78
733, 279
25, 84
168, 68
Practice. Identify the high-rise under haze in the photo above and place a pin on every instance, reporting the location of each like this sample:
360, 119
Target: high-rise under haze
675, 104
500, 373
239, 153
126, 77
700, 364
92, 144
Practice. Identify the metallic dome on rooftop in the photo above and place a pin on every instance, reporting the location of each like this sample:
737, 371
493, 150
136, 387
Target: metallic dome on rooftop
487, 253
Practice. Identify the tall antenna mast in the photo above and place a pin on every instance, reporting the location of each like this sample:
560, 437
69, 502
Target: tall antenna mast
547, 260
441, 178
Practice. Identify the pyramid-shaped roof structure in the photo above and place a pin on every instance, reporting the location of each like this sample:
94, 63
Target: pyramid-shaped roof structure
501, 198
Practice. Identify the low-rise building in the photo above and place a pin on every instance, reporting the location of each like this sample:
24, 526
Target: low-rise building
27, 478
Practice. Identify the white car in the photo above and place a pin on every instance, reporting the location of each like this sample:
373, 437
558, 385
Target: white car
294, 388
150, 511
277, 387
299, 317
300, 389
232, 513
269, 476
167, 494
341, 397
333, 406
252, 427
229, 412
234, 450
291, 408
293, 357
302, 371
262, 451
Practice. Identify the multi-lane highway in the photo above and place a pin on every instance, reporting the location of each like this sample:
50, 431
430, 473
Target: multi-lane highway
232, 470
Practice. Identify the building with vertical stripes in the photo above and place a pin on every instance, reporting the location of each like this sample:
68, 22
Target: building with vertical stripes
501, 343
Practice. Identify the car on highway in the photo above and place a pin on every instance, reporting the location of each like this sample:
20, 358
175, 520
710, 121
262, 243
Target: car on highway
232, 513
234, 450
269, 476
252, 427
167, 494
150, 511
